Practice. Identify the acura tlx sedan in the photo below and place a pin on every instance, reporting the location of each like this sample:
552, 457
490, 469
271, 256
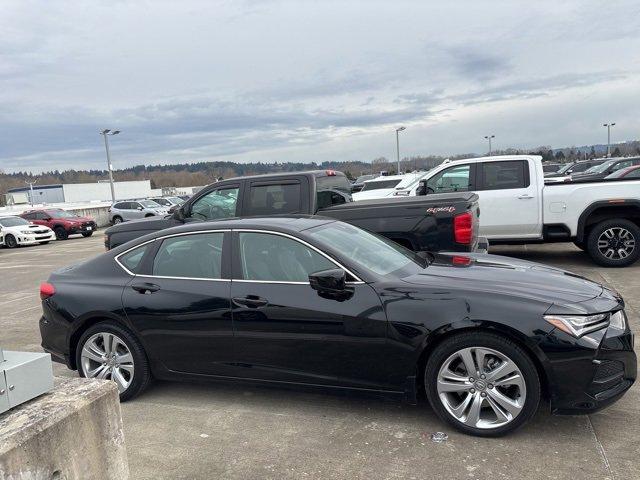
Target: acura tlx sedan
316, 302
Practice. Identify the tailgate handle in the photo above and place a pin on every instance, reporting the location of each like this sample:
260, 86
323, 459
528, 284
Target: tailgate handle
146, 288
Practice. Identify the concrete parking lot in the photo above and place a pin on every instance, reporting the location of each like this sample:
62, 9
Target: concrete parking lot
186, 431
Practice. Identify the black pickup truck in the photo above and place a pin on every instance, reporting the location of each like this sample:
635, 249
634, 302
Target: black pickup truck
446, 222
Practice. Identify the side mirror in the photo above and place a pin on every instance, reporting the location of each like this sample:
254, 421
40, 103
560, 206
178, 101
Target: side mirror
139, 208
331, 284
179, 214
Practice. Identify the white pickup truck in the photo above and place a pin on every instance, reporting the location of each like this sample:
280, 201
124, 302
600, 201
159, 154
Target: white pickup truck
601, 217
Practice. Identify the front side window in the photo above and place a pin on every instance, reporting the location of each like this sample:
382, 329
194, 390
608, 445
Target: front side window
132, 260
373, 252
190, 256
274, 258
452, 179
216, 204
274, 199
29, 216
504, 175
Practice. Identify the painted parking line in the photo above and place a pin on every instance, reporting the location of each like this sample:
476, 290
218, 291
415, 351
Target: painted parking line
17, 299
23, 310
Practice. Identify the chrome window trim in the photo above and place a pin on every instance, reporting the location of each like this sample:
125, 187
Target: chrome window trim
306, 244
117, 257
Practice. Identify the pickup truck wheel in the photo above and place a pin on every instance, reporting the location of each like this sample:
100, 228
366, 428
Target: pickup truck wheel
482, 384
614, 243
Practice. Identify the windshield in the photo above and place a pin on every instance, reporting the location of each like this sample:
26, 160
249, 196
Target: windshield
149, 204
566, 167
375, 253
378, 184
175, 200
162, 201
13, 222
600, 168
60, 214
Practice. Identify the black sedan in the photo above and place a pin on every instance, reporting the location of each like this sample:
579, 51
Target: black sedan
317, 302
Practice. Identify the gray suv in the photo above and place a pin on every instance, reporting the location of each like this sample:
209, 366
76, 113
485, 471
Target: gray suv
135, 209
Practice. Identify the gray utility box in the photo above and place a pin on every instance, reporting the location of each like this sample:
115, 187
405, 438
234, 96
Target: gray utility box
23, 376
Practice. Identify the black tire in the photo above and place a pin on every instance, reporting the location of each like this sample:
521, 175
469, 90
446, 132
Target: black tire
61, 233
44, 243
87, 234
506, 347
116, 219
10, 241
142, 372
580, 245
614, 225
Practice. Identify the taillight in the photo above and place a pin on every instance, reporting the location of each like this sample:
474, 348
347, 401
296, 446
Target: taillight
46, 290
330, 173
463, 228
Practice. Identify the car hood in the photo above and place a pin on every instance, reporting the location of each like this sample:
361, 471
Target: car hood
19, 228
500, 275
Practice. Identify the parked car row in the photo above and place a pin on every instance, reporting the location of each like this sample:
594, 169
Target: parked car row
519, 205
126, 210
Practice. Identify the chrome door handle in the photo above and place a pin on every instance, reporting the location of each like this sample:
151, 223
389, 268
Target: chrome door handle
525, 197
250, 301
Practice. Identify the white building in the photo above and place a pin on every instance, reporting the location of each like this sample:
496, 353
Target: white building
79, 192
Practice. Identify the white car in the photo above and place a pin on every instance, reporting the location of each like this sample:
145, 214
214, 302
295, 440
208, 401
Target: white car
381, 187
16, 231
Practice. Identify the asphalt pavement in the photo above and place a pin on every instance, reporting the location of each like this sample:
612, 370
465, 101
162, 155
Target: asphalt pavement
194, 431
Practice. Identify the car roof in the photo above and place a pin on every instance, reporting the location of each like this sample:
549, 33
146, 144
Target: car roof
315, 173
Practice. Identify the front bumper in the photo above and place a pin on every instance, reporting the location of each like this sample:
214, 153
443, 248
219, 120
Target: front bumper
34, 238
84, 228
592, 372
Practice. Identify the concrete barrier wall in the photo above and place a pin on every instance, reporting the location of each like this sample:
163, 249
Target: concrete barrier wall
71, 433
99, 214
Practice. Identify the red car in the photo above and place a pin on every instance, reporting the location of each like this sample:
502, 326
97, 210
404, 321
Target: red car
629, 172
63, 223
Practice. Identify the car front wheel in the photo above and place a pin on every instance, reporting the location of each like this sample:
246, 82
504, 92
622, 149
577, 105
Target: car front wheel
10, 241
110, 352
482, 384
61, 233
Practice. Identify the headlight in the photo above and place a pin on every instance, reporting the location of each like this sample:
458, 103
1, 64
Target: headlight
578, 325
618, 320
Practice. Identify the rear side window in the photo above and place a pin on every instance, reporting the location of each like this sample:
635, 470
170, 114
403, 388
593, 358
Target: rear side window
29, 216
121, 205
274, 199
132, 260
504, 175
190, 256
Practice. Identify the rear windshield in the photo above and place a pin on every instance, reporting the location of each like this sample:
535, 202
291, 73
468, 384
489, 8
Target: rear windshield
378, 184
332, 190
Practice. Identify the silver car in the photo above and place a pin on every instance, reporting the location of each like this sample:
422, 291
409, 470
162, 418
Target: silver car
135, 209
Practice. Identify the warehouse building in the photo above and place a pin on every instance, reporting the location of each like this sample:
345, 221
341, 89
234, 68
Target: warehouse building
79, 192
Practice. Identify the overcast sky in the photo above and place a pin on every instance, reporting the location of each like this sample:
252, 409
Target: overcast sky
309, 81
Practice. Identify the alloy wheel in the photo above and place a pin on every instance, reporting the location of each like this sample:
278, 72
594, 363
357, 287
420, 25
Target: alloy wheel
105, 356
481, 387
616, 243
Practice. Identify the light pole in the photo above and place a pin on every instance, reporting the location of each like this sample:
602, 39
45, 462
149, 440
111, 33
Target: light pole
489, 137
31, 184
399, 129
104, 133
608, 125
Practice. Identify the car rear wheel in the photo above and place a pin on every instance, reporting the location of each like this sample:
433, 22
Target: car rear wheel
117, 219
10, 241
109, 351
482, 384
87, 234
614, 243
61, 233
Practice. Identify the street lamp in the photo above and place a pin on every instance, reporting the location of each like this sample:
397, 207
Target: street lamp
489, 137
399, 129
104, 133
608, 125
31, 184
